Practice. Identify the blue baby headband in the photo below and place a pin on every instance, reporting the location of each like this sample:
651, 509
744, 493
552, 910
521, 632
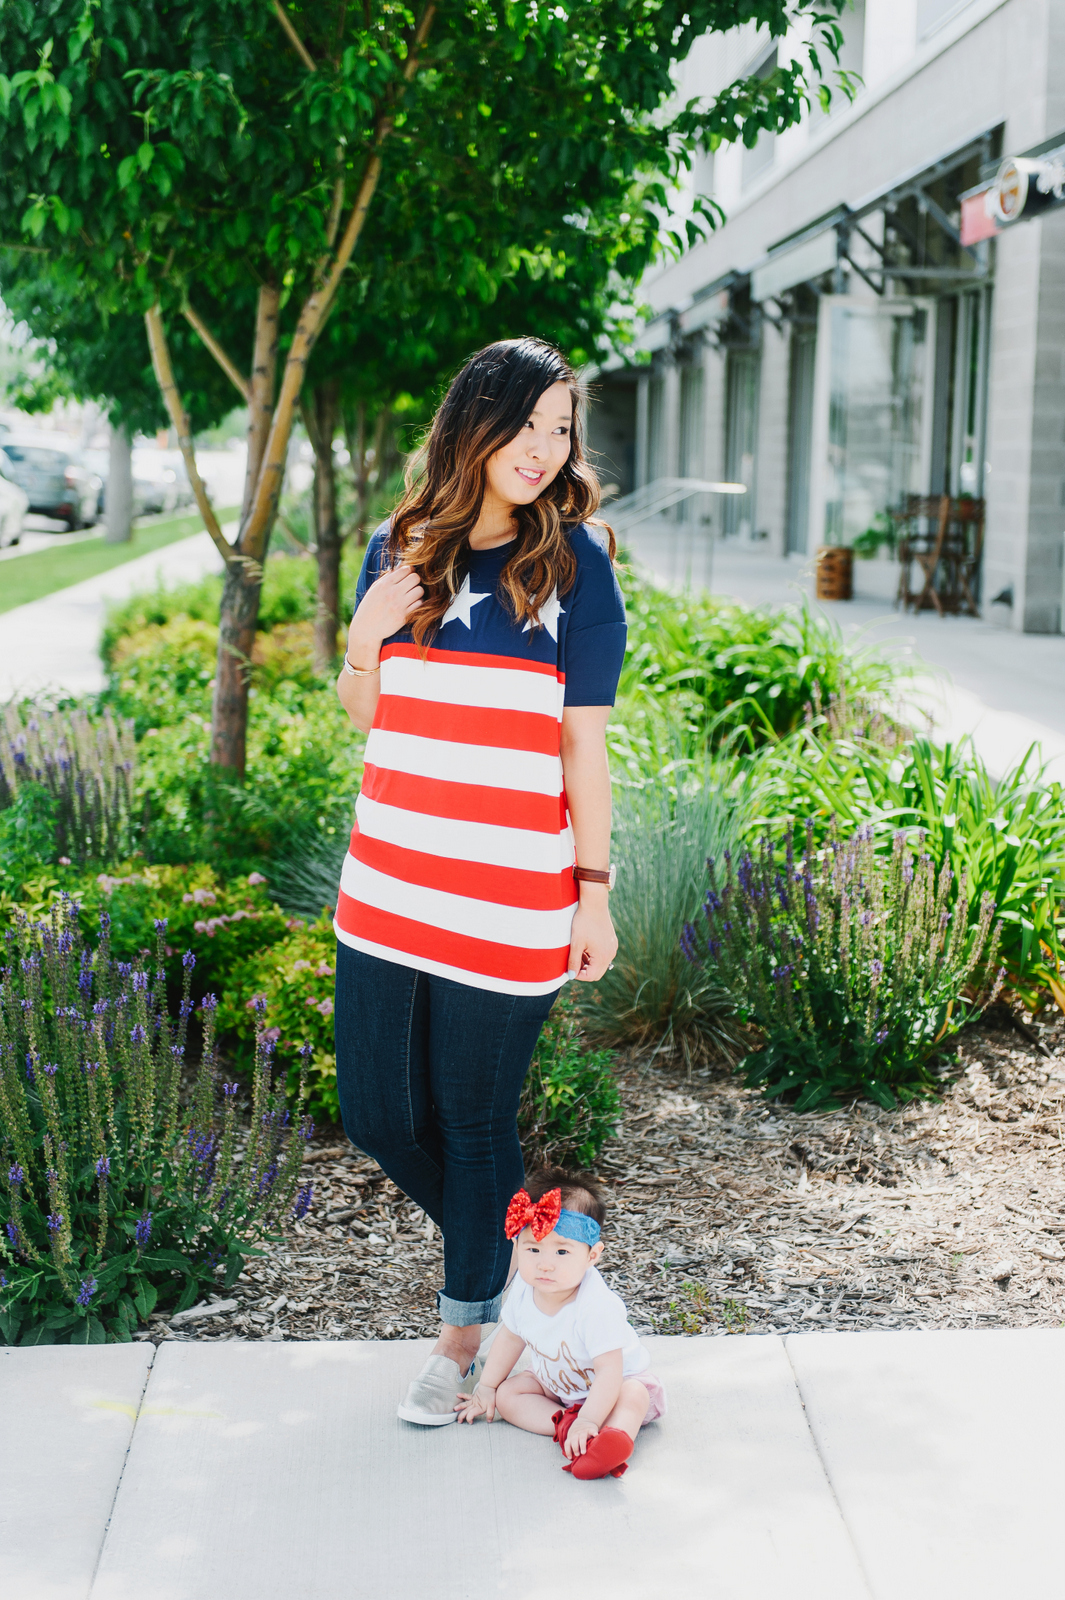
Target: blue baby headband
549, 1215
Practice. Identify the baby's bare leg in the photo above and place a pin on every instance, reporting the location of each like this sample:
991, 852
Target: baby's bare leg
526, 1403
632, 1406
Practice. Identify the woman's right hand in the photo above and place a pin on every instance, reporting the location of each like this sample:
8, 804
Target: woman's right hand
385, 608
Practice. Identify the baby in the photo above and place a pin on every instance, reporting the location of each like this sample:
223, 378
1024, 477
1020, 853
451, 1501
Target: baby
588, 1385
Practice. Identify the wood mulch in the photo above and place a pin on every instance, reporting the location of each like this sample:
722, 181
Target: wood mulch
731, 1215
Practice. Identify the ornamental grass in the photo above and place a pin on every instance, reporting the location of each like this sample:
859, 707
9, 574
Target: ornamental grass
124, 1183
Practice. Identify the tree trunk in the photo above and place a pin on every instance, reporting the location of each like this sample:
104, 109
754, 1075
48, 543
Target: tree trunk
244, 572
236, 637
118, 496
325, 408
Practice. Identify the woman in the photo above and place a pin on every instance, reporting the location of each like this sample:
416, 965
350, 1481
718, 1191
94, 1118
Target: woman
482, 659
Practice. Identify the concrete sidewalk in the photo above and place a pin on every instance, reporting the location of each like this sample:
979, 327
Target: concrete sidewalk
53, 644
874, 1466
1002, 688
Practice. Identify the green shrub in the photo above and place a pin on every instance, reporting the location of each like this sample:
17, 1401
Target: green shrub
296, 978
663, 834
27, 839
304, 759
115, 1196
570, 1103
718, 666
852, 966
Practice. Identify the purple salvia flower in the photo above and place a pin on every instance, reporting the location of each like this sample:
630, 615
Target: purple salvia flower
16, 1176
49, 1068
87, 1290
144, 1229
55, 1222
303, 1202
103, 1167
137, 1034
229, 1089
209, 1002
12, 1233
259, 1004
161, 924
188, 961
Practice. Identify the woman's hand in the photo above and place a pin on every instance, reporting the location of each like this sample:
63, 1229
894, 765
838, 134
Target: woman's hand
385, 608
481, 1403
593, 942
577, 1437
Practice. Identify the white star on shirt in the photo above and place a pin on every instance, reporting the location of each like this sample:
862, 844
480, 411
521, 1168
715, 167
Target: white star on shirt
549, 614
461, 606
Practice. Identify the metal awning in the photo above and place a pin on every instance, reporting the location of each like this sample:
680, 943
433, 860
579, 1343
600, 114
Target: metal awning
825, 244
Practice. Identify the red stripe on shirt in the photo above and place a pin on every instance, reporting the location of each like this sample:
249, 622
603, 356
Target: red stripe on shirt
465, 802
471, 658
481, 957
503, 886
502, 730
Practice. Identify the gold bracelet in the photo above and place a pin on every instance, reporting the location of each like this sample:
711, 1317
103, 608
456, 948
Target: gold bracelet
359, 672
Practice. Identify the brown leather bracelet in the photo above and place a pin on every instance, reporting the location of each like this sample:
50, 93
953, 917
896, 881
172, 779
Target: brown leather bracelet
593, 875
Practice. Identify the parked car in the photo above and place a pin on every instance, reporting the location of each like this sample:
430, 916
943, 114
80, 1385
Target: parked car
55, 480
14, 503
145, 493
162, 473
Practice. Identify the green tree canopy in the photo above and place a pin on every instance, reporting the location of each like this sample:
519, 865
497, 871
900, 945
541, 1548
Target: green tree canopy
173, 154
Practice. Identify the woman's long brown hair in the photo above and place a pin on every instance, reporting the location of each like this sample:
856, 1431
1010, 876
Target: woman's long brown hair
486, 406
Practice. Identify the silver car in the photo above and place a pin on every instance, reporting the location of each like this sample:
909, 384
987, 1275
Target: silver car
56, 481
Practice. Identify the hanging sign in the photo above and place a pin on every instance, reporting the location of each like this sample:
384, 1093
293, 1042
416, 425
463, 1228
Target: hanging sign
1026, 185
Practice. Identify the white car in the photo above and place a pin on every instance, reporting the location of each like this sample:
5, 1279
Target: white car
14, 503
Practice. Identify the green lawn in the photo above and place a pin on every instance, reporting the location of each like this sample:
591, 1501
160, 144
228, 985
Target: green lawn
26, 578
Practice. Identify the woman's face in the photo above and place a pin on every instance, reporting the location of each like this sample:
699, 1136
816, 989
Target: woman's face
523, 468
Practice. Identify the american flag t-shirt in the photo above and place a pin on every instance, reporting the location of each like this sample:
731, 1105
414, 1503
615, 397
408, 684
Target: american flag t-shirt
461, 855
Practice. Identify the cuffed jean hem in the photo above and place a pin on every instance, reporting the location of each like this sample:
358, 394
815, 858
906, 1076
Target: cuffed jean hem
463, 1313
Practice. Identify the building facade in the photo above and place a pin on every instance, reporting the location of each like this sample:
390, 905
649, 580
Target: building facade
866, 323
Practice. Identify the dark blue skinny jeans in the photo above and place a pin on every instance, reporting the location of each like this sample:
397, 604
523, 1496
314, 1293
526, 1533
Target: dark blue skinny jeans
429, 1074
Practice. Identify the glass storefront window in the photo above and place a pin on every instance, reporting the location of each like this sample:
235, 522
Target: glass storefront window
878, 392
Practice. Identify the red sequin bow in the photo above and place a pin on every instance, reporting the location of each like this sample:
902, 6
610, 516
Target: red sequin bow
540, 1216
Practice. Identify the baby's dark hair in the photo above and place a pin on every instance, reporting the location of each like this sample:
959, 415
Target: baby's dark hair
579, 1191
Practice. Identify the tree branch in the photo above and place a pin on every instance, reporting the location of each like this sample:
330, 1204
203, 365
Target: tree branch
294, 38
229, 367
312, 318
164, 374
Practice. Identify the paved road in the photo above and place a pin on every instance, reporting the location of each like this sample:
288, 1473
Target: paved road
53, 644
824, 1466
1002, 688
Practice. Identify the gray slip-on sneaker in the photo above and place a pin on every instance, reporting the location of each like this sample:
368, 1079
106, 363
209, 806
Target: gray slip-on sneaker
430, 1400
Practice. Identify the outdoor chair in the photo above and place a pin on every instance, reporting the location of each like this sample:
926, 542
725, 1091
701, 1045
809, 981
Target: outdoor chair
922, 523
963, 549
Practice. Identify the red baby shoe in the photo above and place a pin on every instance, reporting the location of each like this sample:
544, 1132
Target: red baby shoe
564, 1421
607, 1455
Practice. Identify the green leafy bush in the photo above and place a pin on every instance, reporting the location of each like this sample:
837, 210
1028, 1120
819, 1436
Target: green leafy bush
296, 978
714, 666
304, 758
852, 966
570, 1103
115, 1196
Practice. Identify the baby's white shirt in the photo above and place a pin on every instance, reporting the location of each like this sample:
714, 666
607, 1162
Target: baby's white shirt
563, 1347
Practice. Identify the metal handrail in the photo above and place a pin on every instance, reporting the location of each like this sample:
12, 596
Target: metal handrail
650, 501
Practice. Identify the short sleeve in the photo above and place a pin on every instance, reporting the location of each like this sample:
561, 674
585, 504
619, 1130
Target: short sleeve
604, 1325
596, 633
372, 562
511, 1307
